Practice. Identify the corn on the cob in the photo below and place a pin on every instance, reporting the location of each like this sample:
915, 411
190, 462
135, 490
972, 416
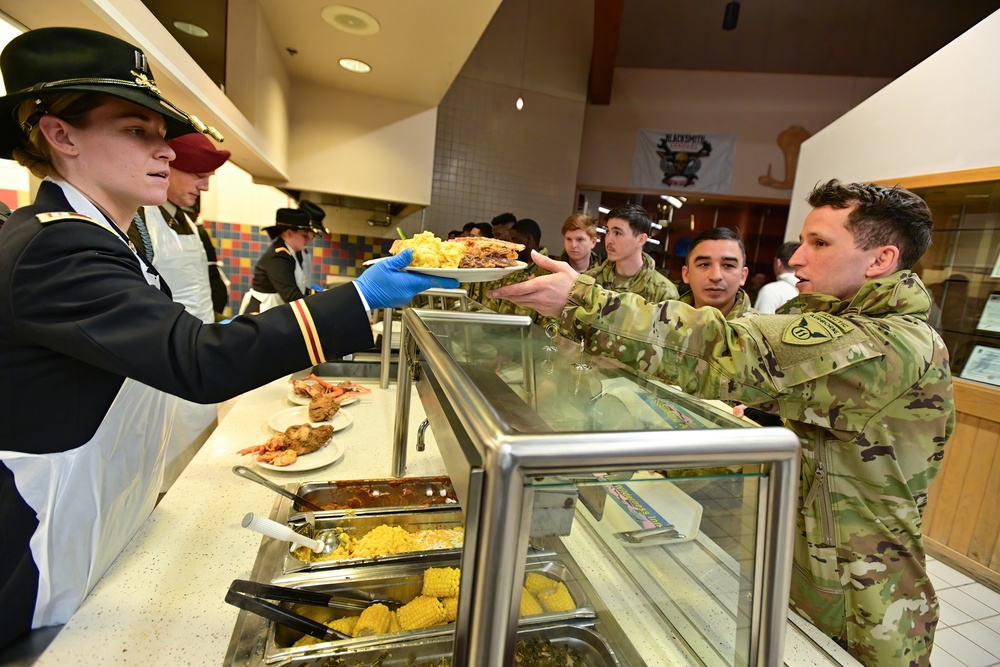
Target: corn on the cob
556, 599
450, 609
373, 621
529, 605
345, 624
307, 640
420, 612
441, 582
394, 622
536, 583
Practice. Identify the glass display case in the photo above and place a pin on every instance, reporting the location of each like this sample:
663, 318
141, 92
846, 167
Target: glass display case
962, 271
599, 500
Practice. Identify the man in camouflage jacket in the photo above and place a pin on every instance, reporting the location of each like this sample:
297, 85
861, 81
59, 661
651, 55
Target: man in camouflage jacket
855, 371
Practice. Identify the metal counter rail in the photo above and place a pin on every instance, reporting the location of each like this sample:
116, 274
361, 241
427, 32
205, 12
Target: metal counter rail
488, 602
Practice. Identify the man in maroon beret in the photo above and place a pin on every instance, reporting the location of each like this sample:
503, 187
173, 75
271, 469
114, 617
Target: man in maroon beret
176, 244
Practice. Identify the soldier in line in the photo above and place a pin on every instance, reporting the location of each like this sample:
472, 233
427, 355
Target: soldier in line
579, 239
628, 268
716, 269
854, 370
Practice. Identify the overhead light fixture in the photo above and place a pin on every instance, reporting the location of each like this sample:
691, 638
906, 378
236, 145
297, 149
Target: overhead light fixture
350, 19
653, 241
524, 56
353, 65
656, 225
191, 29
602, 230
673, 201
603, 209
732, 15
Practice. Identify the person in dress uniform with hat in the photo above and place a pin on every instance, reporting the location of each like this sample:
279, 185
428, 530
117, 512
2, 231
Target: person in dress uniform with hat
281, 275
93, 348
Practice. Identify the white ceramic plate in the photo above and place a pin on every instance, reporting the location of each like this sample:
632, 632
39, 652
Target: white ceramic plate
461, 275
304, 400
329, 453
282, 419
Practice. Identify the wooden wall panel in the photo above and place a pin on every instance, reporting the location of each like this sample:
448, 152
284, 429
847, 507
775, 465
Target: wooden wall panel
962, 518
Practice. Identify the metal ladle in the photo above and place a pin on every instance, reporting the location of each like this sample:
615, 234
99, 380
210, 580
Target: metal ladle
246, 473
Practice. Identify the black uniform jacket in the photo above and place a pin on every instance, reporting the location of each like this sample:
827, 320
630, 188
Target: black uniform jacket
77, 317
275, 272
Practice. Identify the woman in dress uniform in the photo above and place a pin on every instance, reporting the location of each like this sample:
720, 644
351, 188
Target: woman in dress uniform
282, 272
91, 344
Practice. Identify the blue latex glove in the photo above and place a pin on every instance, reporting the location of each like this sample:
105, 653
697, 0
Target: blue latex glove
384, 285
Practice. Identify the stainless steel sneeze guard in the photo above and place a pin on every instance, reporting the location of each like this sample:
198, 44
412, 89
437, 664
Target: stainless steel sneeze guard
492, 465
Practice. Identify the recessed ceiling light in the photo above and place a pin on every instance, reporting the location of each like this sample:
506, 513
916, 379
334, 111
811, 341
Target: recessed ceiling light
353, 65
350, 20
191, 29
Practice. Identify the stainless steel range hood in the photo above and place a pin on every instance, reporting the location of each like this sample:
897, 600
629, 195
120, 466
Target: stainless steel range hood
383, 213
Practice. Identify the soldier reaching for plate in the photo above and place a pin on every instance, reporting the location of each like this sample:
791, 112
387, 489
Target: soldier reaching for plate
855, 371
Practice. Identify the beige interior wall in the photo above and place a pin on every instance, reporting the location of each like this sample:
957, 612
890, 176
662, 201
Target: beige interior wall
355, 144
754, 107
256, 80
941, 116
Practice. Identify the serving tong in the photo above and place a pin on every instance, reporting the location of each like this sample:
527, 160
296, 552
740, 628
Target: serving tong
253, 596
668, 532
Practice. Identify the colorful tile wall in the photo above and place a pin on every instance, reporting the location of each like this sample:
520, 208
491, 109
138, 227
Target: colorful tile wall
239, 246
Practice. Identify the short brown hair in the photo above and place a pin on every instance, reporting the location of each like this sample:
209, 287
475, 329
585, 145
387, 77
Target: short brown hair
580, 221
74, 108
883, 215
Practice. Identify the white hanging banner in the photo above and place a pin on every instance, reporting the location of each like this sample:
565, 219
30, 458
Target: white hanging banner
700, 162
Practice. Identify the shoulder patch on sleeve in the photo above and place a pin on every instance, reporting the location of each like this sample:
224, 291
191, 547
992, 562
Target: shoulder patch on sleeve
284, 250
815, 329
46, 218
795, 340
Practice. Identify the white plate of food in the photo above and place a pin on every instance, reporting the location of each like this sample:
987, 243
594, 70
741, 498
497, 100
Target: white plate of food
470, 275
282, 419
299, 399
332, 452
462, 275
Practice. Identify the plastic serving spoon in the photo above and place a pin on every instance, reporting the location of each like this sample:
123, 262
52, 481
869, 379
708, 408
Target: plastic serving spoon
246, 473
280, 531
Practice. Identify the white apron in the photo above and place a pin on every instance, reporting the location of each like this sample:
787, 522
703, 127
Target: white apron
181, 260
91, 500
270, 300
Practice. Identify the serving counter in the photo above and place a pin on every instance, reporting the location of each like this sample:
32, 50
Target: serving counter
162, 602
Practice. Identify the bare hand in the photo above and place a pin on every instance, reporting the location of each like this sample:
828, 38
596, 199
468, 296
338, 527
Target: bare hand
545, 294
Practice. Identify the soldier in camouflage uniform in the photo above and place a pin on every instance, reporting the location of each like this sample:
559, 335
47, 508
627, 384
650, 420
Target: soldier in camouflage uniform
856, 372
628, 268
579, 232
716, 269
525, 232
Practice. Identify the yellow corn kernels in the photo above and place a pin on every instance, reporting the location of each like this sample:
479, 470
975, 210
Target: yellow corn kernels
536, 583
420, 612
529, 605
441, 582
345, 624
450, 609
556, 599
394, 622
373, 621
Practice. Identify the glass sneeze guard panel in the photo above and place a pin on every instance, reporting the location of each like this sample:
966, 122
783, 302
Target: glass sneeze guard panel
580, 471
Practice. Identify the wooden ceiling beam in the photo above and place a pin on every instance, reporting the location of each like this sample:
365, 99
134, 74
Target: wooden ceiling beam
607, 28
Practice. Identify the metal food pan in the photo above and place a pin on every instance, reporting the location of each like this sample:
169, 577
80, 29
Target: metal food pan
402, 582
582, 637
363, 496
436, 518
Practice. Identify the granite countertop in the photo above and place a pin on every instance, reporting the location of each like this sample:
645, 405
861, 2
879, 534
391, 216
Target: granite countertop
163, 599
